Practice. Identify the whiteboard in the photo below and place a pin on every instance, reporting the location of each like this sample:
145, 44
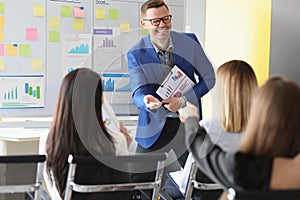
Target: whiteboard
56, 36
22, 57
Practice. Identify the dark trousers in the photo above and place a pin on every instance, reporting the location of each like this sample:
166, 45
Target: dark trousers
171, 139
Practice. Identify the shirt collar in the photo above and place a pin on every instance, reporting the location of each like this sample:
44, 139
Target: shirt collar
170, 47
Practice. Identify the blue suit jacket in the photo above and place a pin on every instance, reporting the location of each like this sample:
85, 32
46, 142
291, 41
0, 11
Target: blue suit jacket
146, 74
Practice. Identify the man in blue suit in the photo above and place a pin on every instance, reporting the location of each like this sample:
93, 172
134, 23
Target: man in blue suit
149, 62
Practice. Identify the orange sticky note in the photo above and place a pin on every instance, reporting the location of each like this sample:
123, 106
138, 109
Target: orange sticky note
31, 34
1, 35
1, 21
78, 12
11, 49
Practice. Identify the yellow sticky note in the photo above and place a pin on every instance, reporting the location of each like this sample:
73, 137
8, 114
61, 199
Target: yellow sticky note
37, 64
66, 11
113, 14
1, 35
39, 10
54, 22
54, 36
2, 8
124, 27
1, 21
24, 50
100, 13
2, 64
78, 24
11, 49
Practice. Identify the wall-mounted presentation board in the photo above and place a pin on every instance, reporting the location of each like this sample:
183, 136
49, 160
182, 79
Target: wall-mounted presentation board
42, 40
22, 57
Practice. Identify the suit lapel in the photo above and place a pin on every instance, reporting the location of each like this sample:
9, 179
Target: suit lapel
178, 51
151, 63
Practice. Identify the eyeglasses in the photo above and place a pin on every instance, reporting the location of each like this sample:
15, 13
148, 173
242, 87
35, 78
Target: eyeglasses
156, 21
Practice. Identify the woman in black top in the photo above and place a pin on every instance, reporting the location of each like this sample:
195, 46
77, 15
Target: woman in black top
272, 131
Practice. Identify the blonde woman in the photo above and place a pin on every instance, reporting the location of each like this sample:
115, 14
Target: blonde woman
236, 83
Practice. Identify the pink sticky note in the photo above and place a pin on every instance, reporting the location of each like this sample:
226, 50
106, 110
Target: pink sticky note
1, 49
31, 34
78, 12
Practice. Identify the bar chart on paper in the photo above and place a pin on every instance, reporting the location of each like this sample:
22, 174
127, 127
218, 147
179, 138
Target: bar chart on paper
80, 49
107, 37
116, 87
116, 82
21, 91
108, 43
76, 51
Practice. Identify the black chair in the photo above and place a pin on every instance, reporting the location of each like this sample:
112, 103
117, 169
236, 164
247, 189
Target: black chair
189, 182
108, 177
19, 162
195, 184
263, 194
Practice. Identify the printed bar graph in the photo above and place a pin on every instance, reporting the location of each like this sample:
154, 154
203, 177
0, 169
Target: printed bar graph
116, 82
107, 43
108, 85
81, 49
21, 91
30, 91
11, 94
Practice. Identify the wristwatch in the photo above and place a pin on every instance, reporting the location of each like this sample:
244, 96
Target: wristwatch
182, 101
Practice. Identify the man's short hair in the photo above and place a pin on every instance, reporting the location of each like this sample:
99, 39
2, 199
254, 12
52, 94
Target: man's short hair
152, 4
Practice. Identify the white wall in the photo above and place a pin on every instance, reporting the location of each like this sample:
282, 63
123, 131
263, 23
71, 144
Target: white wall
195, 17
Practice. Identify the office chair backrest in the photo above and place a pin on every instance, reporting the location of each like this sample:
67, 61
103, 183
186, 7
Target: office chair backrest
195, 184
89, 178
263, 194
14, 186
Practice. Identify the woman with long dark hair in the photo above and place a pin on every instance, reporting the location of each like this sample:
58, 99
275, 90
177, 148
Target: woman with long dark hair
77, 127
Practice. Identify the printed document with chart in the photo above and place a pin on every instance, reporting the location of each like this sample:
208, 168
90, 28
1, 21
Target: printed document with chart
175, 84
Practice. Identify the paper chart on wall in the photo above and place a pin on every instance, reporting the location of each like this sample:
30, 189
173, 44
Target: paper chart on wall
24, 91
76, 51
108, 51
116, 87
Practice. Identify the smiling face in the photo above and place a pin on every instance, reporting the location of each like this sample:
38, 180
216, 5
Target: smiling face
159, 34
